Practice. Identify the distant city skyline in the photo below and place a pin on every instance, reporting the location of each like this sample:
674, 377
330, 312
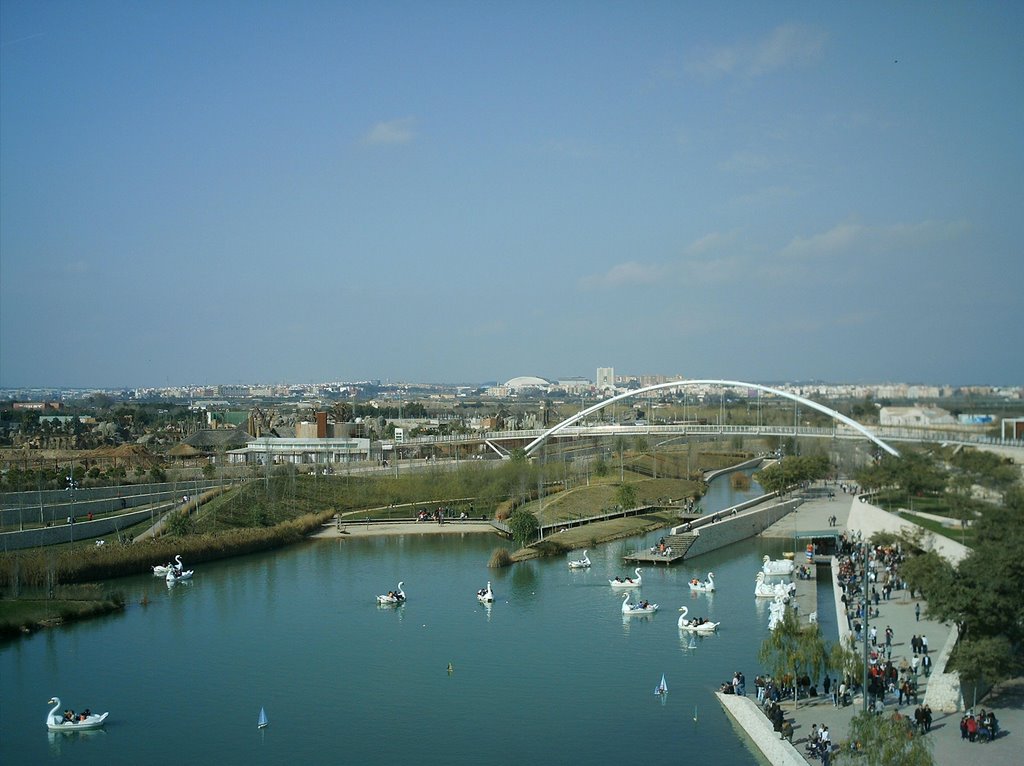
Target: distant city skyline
228, 192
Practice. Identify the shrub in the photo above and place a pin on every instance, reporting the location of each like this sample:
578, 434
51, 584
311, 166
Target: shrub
500, 558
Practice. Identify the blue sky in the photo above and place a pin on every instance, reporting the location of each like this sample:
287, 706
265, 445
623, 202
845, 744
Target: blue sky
200, 193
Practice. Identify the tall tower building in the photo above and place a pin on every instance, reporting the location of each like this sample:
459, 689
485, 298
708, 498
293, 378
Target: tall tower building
605, 378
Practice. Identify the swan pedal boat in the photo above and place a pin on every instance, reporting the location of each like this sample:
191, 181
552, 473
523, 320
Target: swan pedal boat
174, 576
582, 563
56, 722
703, 586
627, 582
393, 599
691, 625
764, 589
485, 595
162, 570
631, 609
776, 567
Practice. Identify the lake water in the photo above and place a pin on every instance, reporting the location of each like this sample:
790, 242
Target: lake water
551, 673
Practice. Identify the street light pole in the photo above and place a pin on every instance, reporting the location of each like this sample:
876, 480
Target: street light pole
867, 613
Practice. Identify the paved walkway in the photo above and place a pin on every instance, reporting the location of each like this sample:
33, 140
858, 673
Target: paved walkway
1007, 701
374, 528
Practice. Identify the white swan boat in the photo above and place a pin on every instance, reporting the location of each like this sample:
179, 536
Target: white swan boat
55, 722
485, 595
776, 567
763, 589
582, 563
175, 576
627, 582
776, 612
161, 571
703, 586
695, 625
394, 597
641, 607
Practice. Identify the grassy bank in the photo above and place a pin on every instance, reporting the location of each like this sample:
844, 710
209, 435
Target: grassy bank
32, 612
592, 535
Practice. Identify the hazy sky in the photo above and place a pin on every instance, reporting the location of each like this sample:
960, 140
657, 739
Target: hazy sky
224, 192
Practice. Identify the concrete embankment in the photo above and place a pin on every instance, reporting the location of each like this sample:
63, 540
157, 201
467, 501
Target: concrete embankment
717, 530
757, 726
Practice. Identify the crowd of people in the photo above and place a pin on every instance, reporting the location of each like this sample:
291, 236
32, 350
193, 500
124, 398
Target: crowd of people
979, 728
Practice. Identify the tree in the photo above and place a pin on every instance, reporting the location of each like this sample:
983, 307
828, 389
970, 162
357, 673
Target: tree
523, 526
180, 524
620, 447
626, 496
983, 595
793, 470
846, 659
794, 649
878, 740
959, 496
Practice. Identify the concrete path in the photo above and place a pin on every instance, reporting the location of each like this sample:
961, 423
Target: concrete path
1007, 701
366, 529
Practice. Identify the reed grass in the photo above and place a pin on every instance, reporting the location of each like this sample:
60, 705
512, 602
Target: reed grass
740, 481
38, 567
500, 558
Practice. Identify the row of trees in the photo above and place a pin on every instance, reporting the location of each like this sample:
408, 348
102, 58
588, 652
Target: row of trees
983, 594
793, 471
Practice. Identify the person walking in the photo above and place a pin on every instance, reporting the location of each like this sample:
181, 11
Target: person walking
924, 644
917, 612
926, 665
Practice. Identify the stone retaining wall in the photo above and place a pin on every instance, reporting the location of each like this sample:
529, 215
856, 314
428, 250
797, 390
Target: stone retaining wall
712, 535
80, 530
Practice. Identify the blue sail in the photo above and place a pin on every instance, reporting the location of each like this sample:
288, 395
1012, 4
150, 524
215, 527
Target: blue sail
262, 722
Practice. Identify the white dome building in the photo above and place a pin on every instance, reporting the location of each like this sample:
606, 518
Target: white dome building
527, 381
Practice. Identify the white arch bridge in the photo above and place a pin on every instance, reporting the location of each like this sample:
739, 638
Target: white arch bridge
842, 427
837, 416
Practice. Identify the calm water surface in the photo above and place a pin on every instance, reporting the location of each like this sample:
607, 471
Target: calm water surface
551, 672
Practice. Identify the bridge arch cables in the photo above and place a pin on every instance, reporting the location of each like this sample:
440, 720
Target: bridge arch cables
532, 446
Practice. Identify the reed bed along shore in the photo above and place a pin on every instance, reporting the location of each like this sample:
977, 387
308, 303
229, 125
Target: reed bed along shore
39, 567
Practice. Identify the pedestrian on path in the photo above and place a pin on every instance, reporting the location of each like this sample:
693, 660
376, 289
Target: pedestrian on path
924, 644
926, 664
917, 612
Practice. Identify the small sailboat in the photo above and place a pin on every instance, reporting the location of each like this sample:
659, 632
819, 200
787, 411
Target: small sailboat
262, 723
662, 688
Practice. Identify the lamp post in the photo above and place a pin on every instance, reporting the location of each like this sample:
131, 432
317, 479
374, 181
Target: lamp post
71, 489
867, 614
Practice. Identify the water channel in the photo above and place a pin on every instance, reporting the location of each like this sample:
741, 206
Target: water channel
551, 672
